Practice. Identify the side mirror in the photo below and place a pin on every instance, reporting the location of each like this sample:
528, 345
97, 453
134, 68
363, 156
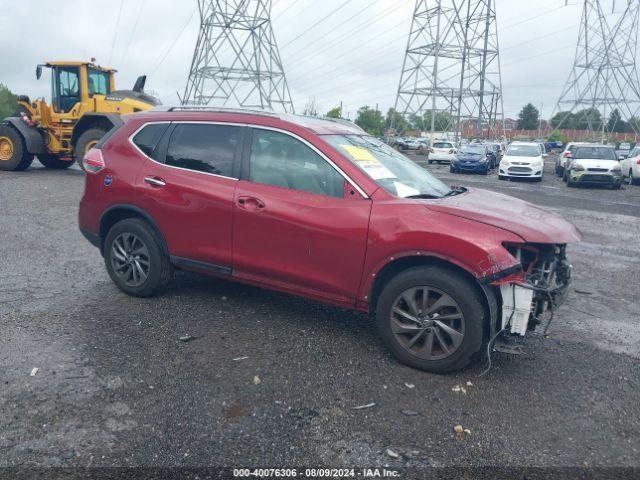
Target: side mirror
38, 72
545, 155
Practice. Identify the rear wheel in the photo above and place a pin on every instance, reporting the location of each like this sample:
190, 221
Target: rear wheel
86, 142
632, 179
13, 150
54, 162
136, 258
431, 318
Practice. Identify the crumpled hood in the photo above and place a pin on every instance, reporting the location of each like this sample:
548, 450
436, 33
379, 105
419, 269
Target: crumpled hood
531, 223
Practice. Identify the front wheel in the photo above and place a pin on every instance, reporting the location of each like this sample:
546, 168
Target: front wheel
431, 318
136, 259
13, 150
86, 142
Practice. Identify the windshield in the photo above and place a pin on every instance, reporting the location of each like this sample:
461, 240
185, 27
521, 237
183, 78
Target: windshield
472, 150
391, 170
523, 151
596, 153
442, 145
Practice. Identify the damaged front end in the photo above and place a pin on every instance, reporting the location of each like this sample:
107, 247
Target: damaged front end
530, 297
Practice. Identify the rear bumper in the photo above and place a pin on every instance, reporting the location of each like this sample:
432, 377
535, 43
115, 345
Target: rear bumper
440, 157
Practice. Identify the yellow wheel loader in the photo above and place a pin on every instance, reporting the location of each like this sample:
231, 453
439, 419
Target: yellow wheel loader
84, 106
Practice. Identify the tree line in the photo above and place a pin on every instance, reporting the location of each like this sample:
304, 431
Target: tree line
585, 119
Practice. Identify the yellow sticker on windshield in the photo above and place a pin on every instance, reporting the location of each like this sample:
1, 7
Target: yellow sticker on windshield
359, 154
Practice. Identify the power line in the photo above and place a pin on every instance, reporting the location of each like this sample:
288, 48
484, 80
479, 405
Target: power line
344, 4
358, 28
133, 32
173, 44
115, 32
285, 10
357, 14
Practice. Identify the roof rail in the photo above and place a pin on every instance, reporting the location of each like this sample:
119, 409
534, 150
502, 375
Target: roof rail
342, 121
204, 108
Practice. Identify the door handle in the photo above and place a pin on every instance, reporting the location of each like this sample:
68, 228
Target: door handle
155, 181
251, 203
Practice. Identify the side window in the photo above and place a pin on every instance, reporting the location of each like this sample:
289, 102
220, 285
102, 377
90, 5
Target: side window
97, 82
204, 148
147, 139
280, 160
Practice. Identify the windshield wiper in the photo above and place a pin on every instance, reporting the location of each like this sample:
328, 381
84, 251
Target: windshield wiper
455, 191
423, 195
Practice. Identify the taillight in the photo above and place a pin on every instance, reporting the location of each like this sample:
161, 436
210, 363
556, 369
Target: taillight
638, 162
567, 154
93, 161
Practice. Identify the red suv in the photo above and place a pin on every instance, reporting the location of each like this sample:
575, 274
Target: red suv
318, 208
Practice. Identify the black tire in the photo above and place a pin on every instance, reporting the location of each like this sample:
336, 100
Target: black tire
559, 171
448, 282
452, 170
13, 150
429, 162
616, 186
565, 176
160, 270
85, 142
632, 179
570, 183
53, 162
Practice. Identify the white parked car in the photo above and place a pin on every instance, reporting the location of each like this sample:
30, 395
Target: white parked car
565, 157
442, 152
522, 160
630, 167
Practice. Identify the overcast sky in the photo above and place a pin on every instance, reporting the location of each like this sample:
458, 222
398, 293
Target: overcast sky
357, 61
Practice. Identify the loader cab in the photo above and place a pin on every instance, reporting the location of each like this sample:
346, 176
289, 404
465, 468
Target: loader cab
76, 82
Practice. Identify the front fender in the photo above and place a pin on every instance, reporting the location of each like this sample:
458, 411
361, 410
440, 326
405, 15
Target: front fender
32, 136
474, 247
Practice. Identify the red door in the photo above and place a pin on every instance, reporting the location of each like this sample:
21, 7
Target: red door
189, 193
294, 228
193, 211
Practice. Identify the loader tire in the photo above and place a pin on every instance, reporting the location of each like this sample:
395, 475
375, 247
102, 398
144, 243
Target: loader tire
86, 142
53, 162
13, 150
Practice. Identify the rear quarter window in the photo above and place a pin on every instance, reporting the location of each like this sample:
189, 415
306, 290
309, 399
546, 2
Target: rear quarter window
148, 138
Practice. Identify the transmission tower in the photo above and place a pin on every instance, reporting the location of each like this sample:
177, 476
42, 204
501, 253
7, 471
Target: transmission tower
452, 66
604, 77
236, 61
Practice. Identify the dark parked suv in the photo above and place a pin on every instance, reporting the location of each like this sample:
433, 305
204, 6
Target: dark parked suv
320, 209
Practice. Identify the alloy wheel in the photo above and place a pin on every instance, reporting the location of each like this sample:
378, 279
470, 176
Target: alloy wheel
427, 322
130, 259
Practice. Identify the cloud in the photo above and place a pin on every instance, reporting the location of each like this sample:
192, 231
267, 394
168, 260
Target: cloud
355, 56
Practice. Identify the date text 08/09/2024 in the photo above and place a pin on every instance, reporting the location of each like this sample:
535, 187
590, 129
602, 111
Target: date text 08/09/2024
316, 472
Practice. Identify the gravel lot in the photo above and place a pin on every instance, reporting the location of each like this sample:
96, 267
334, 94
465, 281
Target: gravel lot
116, 386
